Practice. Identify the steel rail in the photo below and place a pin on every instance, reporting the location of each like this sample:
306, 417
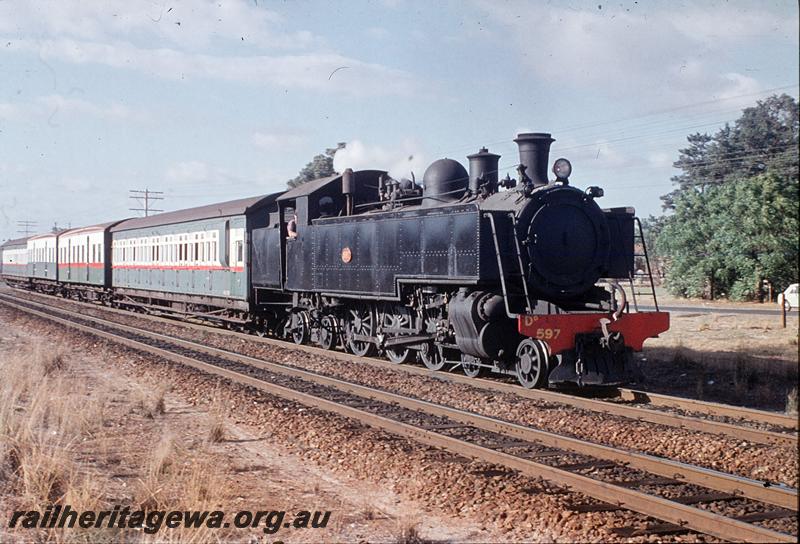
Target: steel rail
679, 514
775, 494
706, 407
638, 413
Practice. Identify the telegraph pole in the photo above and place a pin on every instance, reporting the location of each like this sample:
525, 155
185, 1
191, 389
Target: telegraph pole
26, 227
143, 198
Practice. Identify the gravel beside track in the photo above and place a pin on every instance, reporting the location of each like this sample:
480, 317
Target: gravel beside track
757, 461
730, 506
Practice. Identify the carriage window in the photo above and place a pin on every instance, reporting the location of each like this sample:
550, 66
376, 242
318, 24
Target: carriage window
239, 252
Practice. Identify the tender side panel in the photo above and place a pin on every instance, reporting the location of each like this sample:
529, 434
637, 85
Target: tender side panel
371, 254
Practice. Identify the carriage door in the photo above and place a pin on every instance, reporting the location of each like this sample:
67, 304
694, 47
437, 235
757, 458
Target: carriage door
87, 259
225, 259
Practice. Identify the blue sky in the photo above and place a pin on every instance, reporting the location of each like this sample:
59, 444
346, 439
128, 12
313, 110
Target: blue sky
209, 101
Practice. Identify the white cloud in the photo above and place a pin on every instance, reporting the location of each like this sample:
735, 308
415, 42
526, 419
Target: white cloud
197, 183
192, 172
377, 32
669, 54
226, 40
185, 24
400, 160
304, 70
75, 185
661, 159
10, 111
279, 139
55, 105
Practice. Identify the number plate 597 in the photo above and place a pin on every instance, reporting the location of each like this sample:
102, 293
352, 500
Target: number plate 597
547, 334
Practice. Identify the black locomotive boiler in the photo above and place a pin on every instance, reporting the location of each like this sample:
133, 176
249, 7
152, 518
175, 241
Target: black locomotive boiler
515, 276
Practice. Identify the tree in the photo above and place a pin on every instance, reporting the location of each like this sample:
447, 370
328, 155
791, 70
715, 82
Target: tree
764, 139
320, 166
725, 240
735, 207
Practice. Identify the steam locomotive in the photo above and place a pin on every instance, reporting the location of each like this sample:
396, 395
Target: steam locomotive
470, 271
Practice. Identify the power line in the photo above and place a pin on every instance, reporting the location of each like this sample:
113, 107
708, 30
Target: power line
26, 227
652, 113
143, 197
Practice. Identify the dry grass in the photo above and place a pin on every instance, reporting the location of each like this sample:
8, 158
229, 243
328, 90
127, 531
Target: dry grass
150, 493
152, 403
38, 426
725, 358
217, 415
408, 533
791, 402
193, 485
49, 420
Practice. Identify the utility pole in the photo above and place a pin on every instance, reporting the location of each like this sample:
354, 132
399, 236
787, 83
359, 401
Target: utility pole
25, 227
143, 198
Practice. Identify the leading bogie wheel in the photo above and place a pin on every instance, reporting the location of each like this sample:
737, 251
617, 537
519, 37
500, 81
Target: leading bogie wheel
532, 363
472, 366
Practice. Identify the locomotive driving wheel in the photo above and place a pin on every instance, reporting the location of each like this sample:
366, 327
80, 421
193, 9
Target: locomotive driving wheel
397, 317
432, 354
327, 333
532, 366
361, 322
301, 331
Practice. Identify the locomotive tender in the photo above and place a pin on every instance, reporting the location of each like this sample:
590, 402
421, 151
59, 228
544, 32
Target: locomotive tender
514, 276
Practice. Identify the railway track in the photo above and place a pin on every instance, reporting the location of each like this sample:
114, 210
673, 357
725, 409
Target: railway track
741, 423
683, 496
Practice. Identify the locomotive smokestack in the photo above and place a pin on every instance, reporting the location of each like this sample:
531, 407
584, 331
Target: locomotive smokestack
348, 188
482, 169
534, 151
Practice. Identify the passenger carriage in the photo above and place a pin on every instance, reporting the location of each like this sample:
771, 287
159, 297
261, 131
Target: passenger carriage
42, 267
14, 261
84, 262
191, 262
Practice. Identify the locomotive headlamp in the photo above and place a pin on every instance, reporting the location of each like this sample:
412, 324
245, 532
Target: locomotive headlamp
562, 169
